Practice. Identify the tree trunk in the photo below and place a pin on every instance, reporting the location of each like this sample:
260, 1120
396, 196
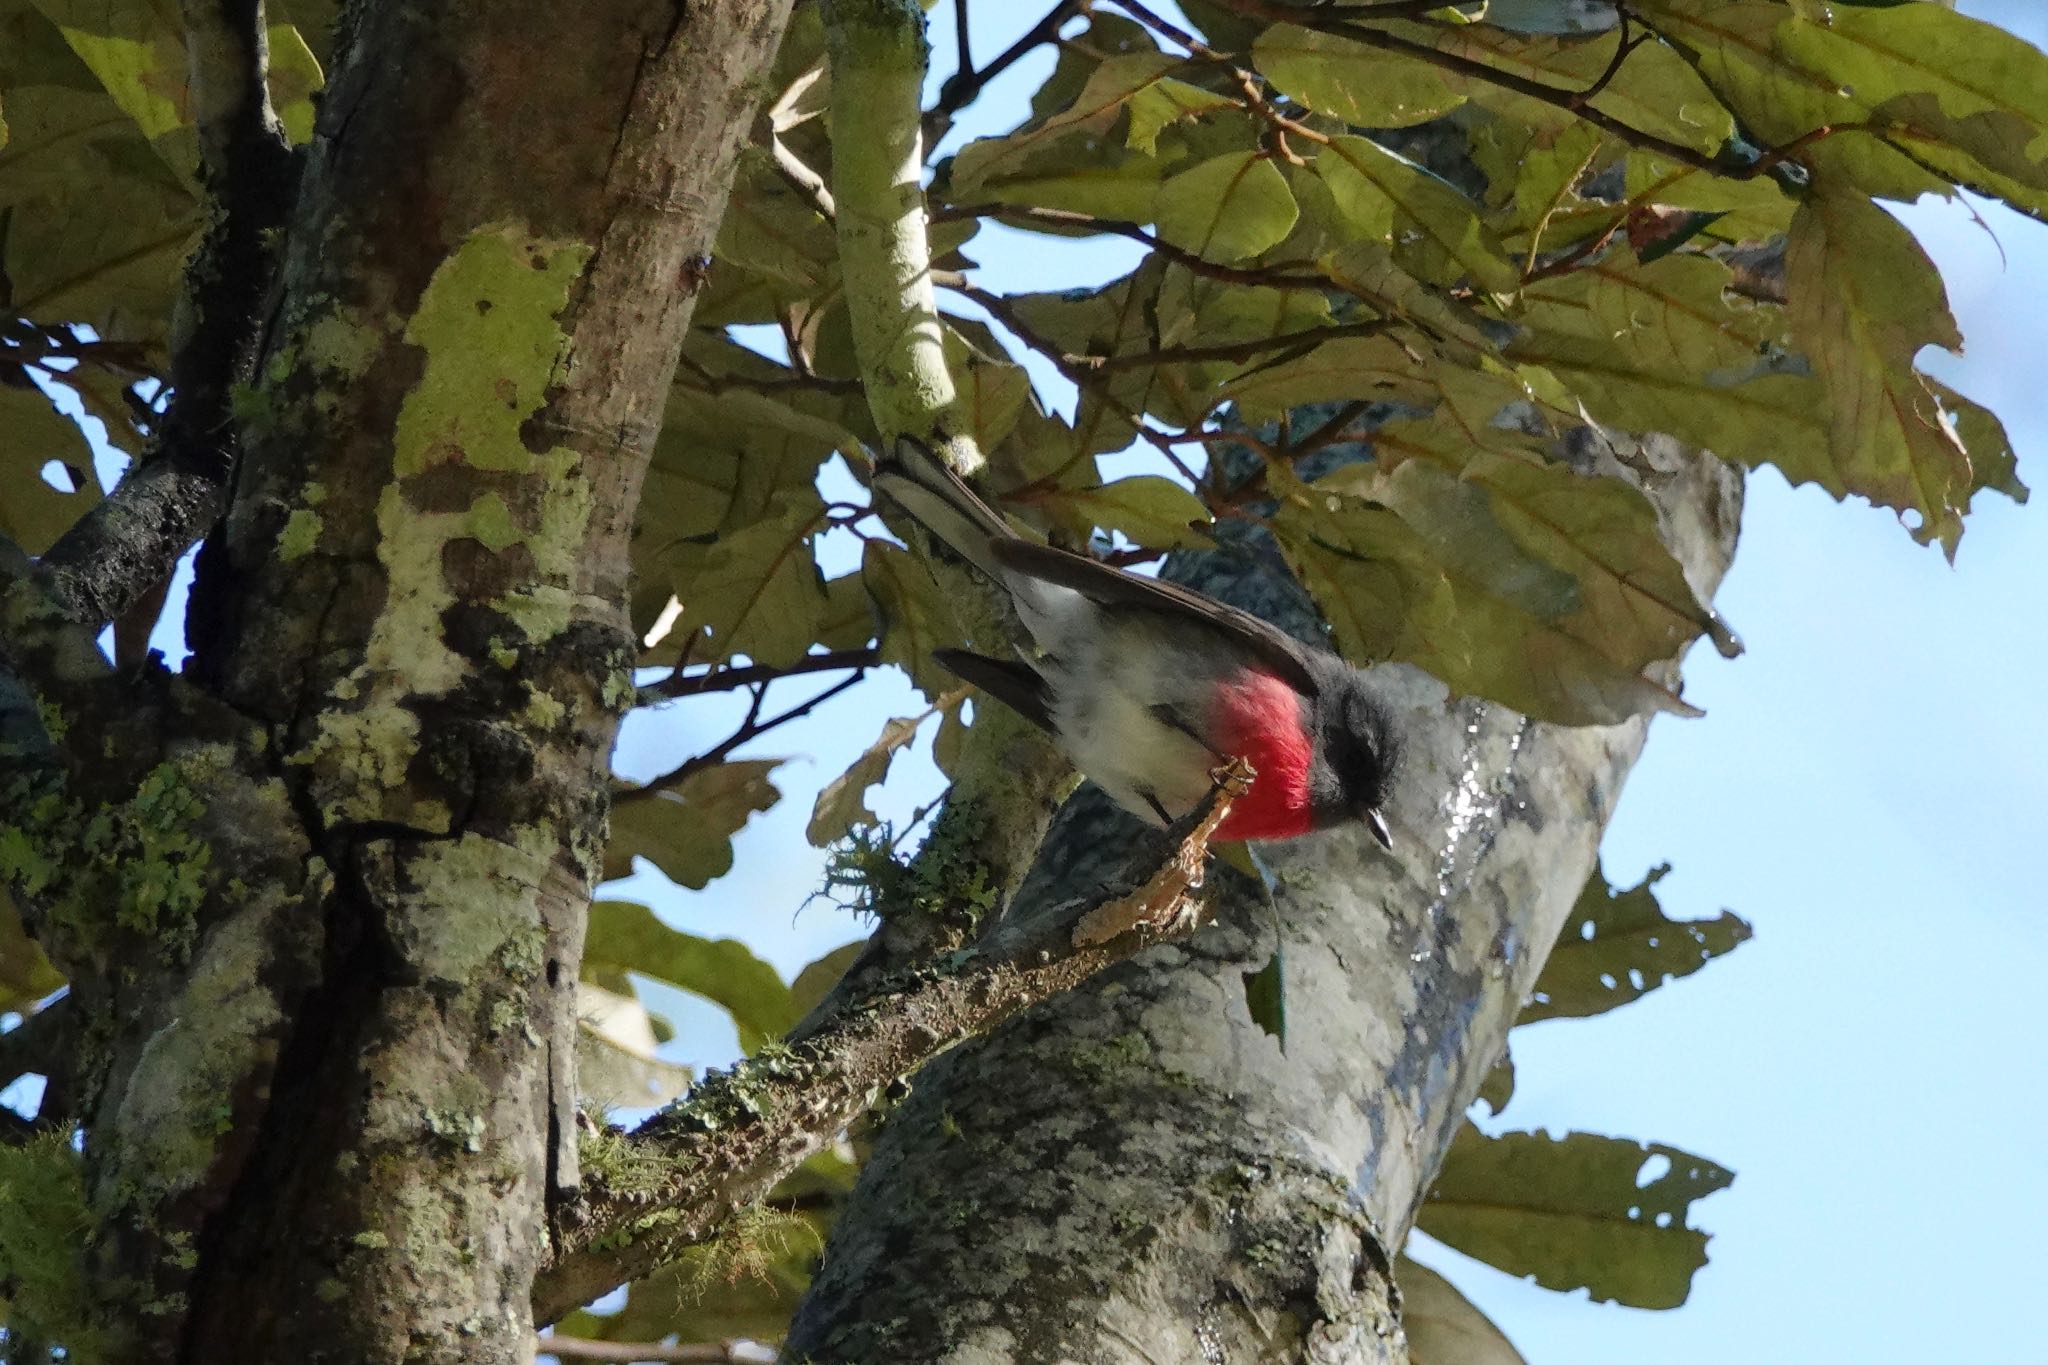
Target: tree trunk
333, 1130
1137, 1171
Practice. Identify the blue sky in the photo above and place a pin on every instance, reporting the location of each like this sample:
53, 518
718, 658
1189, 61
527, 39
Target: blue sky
1867, 789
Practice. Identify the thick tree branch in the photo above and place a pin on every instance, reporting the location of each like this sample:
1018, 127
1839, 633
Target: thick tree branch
40, 641
129, 543
678, 1178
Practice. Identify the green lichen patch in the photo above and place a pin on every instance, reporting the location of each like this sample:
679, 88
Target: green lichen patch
487, 325
300, 536
168, 1124
473, 901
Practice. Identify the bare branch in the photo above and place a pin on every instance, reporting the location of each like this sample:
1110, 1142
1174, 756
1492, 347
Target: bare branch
688, 1170
732, 679
752, 728
1265, 277
965, 85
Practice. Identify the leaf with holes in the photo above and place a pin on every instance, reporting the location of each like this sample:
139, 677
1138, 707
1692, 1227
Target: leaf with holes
1602, 1214
686, 829
1864, 300
842, 803
1993, 463
45, 466
1618, 946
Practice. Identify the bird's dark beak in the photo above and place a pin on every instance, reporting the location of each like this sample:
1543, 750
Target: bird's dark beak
1377, 823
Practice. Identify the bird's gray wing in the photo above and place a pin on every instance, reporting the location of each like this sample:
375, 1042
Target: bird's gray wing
1110, 586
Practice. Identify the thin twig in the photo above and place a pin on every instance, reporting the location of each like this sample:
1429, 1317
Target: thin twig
732, 679
751, 728
964, 86
1265, 277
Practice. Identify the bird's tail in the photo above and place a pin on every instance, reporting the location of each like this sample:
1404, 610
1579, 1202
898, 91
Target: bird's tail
925, 486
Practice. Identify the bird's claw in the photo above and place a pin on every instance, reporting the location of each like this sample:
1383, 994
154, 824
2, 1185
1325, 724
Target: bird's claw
1235, 777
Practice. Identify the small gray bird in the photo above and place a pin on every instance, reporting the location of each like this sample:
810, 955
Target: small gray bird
1149, 687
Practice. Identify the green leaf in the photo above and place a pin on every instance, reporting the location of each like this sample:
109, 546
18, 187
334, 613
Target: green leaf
1675, 316
1754, 416
1163, 104
916, 618
627, 937
1864, 300
1332, 371
1507, 576
1226, 208
775, 232
686, 830
1434, 229
1499, 1085
1578, 1212
1618, 946
842, 803
1153, 511
96, 224
39, 507
1065, 160
1350, 81
992, 390
816, 981
1442, 1325
1655, 90
1964, 95
1265, 995
1739, 47
26, 975
758, 590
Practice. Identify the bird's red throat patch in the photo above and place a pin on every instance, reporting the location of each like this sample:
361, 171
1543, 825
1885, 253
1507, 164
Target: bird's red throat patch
1259, 718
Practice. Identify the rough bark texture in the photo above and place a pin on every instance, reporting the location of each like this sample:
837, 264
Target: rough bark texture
1136, 1171
322, 899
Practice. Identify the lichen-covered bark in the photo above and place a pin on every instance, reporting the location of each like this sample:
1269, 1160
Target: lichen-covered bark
329, 1098
1136, 1171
